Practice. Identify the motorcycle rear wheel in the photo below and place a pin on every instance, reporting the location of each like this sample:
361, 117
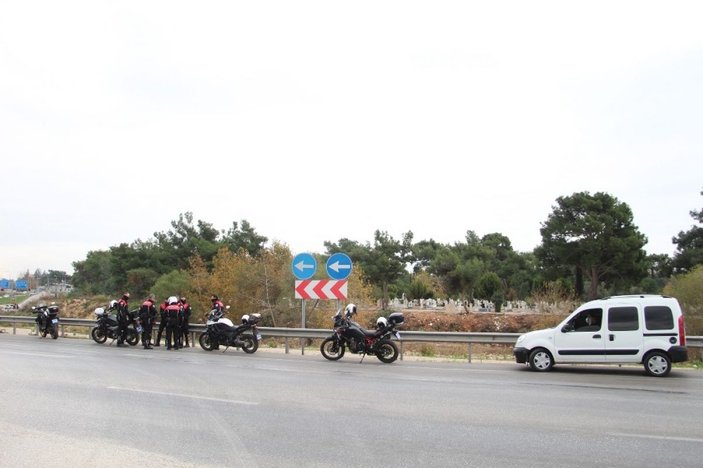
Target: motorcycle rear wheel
331, 349
386, 351
249, 344
55, 332
132, 337
206, 342
98, 335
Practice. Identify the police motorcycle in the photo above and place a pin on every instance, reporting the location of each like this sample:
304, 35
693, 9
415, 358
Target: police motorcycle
221, 331
47, 320
350, 335
106, 325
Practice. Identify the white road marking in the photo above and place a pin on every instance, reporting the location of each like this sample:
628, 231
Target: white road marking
647, 436
195, 397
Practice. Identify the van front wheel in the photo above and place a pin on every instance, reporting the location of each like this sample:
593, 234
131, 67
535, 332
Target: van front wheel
657, 364
540, 360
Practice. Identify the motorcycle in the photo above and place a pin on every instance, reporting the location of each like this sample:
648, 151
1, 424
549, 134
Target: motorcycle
350, 335
106, 326
221, 331
47, 320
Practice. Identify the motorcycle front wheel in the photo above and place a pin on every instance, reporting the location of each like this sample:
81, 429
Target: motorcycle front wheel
42, 332
386, 351
98, 335
206, 342
249, 344
331, 349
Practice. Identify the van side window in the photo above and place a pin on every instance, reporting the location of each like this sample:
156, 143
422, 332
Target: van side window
623, 319
588, 320
658, 318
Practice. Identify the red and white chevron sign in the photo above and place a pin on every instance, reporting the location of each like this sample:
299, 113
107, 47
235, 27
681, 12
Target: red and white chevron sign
321, 289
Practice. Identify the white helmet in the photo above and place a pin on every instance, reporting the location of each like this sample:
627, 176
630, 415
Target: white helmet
113, 304
381, 322
172, 300
99, 311
245, 318
350, 310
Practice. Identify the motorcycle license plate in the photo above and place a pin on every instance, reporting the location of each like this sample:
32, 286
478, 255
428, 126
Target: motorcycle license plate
258, 337
397, 335
54, 320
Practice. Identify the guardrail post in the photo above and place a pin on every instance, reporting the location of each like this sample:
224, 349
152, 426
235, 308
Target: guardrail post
302, 346
14, 328
470, 353
287, 346
401, 350
63, 331
192, 339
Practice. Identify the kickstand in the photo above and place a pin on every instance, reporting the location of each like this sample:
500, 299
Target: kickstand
362, 358
225, 349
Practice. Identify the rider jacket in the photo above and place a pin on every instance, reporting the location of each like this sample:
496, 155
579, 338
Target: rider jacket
147, 312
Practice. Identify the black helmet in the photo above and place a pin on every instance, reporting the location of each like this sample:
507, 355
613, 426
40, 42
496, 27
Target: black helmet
214, 298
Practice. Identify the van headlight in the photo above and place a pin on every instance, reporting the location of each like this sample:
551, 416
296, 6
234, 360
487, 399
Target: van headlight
520, 338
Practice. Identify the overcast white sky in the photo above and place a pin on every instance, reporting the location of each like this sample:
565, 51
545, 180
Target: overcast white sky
319, 120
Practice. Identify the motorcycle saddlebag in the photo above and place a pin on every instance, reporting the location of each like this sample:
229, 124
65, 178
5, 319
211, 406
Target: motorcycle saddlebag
396, 318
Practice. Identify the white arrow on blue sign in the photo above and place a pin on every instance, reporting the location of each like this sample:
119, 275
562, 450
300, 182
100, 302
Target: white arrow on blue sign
339, 266
304, 266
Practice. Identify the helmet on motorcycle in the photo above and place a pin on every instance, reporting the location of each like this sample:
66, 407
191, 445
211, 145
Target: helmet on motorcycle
381, 322
53, 308
99, 311
172, 300
113, 304
350, 310
245, 318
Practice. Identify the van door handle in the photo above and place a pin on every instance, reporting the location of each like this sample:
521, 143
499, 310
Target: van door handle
612, 337
596, 337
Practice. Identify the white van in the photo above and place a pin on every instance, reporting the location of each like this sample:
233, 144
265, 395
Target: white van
646, 329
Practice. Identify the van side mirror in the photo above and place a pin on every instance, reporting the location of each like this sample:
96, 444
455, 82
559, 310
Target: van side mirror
569, 327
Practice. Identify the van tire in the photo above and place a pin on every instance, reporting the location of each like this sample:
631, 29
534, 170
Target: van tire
540, 360
657, 364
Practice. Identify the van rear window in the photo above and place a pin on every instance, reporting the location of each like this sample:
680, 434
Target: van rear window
623, 319
658, 318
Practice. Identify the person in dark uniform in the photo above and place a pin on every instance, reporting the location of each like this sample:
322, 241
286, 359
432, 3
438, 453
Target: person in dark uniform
147, 317
162, 321
173, 317
186, 319
122, 318
217, 305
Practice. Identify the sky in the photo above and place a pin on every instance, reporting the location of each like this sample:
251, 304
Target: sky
322, 120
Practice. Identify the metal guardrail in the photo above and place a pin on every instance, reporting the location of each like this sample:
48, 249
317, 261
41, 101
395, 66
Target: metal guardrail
468, 338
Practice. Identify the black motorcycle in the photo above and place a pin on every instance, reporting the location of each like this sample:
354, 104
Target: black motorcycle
350, 335
221, 331
106, 326
47, 320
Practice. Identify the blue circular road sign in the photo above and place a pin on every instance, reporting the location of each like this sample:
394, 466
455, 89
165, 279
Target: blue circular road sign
304, 266
339, 266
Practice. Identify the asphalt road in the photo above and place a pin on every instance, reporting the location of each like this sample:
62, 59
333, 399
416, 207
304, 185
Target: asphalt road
76, 403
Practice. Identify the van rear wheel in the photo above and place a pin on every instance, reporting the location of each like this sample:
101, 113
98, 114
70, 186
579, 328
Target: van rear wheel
657, 364
540, 360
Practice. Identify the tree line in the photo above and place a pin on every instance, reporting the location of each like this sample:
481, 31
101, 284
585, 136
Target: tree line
590, 247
